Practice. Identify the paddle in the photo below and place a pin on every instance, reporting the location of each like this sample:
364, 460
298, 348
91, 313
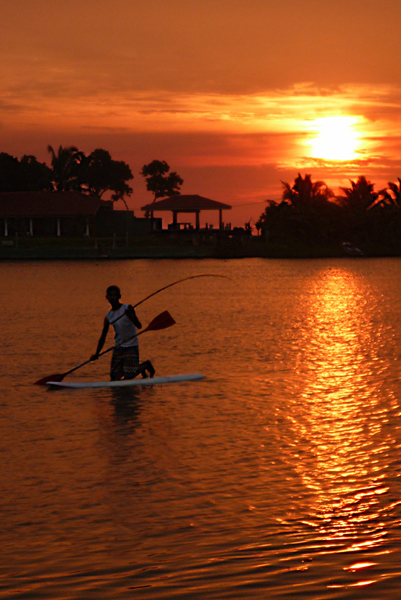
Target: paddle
162, 321
152, 326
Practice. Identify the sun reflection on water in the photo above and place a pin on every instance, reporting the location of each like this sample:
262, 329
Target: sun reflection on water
342, 449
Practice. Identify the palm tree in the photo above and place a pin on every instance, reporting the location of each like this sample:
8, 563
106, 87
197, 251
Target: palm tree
392, 195
365, 222
305, 194
385, 222
305, 213
65, 165
359, 198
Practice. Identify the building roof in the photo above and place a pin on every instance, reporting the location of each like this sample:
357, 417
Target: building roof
47, 204
185, 203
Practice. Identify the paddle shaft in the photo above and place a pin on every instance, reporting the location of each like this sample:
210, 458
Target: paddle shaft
62, 375
104, 352
162, 321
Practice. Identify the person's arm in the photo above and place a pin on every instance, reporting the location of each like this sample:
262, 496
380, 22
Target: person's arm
102, 340
131, 314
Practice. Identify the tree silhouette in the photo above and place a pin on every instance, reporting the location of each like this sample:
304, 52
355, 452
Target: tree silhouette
305, 213
33, 175
392, 195
100, 173
305, 194
9, 171
360, 203
158, 182
65, 166
358, 198
25, 175
383, 224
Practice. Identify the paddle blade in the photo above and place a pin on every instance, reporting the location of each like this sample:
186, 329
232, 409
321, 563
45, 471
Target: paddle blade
54, 377
162, 321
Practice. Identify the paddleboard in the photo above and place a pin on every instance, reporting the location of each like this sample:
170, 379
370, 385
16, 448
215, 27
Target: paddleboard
124, 382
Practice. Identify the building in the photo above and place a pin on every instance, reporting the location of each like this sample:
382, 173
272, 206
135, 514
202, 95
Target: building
187, 203
64, 214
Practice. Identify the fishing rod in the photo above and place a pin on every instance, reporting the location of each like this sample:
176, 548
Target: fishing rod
166, 321
171, 285
176, 282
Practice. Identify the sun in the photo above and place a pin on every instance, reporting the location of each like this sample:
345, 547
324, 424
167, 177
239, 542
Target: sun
336, 139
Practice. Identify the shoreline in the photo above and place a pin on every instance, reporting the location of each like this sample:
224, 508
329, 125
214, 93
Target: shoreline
182, 247
178, 255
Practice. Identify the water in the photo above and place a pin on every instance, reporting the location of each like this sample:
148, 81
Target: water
277, 477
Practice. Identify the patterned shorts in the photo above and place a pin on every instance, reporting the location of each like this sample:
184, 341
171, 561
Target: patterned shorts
124, 363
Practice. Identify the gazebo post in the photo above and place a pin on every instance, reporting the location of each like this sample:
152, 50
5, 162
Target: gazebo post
197, 219
220, 218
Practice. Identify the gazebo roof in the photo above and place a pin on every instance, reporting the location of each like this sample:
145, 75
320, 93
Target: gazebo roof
47, 204
185, 203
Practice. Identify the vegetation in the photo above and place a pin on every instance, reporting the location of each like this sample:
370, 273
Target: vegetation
101, 174
23, 175
310, 213
66, 168
71, 170
310, 217
95, 174
159, 181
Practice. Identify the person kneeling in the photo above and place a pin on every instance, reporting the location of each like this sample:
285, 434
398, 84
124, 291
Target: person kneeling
125, 359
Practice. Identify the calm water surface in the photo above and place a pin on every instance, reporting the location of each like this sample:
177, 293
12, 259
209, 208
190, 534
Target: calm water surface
277, 477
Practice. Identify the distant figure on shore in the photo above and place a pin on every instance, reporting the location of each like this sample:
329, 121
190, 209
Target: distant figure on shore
125, 358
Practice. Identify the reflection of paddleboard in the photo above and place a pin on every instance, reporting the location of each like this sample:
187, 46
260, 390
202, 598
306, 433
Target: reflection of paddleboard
124, 382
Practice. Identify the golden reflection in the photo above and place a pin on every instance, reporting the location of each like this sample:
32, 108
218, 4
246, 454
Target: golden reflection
340, 445
360, 565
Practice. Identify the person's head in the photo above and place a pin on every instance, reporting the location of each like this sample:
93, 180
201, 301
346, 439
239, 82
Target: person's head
113, 294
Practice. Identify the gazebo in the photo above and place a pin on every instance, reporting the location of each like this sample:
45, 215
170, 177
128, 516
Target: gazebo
187, 203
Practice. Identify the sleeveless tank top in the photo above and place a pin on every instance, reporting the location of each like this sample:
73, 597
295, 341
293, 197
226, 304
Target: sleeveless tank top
124, 328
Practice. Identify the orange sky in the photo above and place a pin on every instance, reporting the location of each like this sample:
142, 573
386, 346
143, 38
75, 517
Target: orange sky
231, 93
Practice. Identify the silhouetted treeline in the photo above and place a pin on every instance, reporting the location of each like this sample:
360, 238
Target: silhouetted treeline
25, 175
95, 174
70, 170
311, 212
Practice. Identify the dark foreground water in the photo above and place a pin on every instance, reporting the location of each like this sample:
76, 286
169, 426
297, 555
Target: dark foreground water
276, 477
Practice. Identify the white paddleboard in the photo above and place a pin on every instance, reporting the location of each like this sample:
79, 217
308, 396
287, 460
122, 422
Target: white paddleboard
124, 382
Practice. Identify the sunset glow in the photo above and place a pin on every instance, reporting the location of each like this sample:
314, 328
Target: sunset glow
171, 84
336, 139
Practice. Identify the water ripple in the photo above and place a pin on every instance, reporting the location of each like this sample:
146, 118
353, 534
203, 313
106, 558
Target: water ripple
277, 477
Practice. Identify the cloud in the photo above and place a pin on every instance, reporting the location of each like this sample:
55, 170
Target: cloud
227, 92
234, 47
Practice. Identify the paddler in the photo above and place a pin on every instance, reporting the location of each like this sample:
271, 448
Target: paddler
125, 359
